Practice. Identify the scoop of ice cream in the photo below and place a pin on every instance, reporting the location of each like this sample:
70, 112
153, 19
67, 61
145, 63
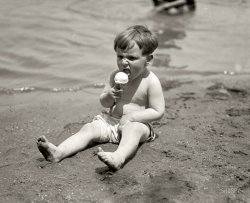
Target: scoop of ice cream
121, 78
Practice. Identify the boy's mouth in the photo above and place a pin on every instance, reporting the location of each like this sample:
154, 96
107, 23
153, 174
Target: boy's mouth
127, 71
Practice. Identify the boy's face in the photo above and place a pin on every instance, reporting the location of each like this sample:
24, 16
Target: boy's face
131, 61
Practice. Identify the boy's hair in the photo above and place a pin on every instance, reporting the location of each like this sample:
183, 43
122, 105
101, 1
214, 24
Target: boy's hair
138, 34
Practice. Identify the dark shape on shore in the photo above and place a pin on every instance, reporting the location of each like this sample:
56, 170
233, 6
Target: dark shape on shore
238, 111
166, 5
222, 92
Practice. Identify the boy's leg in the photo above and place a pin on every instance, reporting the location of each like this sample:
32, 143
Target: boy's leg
133, 133
89, 133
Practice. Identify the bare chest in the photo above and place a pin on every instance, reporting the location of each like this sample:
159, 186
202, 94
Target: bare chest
135, 94
134, 98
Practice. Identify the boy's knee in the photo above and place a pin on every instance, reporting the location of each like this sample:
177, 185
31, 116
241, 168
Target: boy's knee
137, 128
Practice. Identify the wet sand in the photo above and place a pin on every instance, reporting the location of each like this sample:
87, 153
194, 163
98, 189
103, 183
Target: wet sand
201, 155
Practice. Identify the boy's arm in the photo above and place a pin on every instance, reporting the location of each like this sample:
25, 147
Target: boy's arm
156, 104
106, 98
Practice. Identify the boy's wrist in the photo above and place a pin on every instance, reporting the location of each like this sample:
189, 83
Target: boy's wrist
131, 118
128, 118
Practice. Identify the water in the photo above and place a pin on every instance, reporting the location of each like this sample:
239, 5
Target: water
67, 45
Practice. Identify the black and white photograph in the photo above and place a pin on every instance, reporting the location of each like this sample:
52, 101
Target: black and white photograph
115, 101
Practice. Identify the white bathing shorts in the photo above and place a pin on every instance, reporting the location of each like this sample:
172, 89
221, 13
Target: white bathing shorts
109, 129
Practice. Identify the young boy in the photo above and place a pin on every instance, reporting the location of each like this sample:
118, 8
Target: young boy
132, 108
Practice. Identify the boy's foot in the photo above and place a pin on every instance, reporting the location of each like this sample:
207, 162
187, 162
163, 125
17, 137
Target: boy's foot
112, 160
48, 150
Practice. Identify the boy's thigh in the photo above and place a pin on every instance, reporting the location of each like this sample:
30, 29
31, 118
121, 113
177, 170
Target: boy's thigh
95, 129
103, 132
140, 130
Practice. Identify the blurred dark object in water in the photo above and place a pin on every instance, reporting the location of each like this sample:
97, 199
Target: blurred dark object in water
174, 6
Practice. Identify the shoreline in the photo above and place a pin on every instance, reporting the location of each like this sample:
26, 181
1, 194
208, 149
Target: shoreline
201, 155
170, 73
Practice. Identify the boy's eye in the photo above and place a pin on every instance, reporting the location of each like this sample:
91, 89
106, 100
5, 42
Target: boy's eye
132, 58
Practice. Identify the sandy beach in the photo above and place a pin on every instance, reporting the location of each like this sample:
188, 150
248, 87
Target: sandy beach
56, 56
201, 155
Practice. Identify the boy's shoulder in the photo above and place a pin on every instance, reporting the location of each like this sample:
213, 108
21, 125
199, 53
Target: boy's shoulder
152, 74
153, 82
152, 77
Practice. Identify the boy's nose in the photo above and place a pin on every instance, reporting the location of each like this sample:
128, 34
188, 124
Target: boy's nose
124, 62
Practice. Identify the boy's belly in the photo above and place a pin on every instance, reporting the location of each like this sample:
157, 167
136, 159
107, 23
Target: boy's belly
121, 109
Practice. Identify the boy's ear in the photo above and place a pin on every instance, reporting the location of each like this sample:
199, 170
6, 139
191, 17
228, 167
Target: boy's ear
149, 59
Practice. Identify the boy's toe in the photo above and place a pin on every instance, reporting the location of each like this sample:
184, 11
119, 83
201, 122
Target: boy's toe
42, 139
100, 149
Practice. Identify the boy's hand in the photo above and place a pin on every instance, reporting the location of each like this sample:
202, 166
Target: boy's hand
115, 93
124, 120
110, 96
